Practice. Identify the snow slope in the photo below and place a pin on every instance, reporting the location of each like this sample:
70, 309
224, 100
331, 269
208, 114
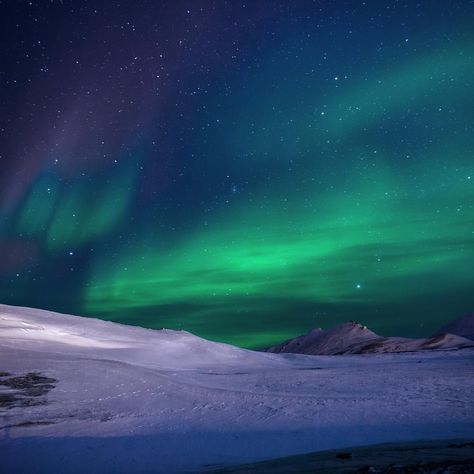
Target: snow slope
353, 338
127, 399
46, 331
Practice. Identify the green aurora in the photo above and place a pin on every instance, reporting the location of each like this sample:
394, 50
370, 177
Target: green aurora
367, 247
320, 170
377, 237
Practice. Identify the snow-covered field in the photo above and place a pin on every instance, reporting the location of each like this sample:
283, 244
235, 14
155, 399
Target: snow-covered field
126, 399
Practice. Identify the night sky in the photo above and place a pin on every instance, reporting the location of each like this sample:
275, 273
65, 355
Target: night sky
244, 170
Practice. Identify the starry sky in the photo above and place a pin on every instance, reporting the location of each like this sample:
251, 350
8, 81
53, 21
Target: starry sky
244, 170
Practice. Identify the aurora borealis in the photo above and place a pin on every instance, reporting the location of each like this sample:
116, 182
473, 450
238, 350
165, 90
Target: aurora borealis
242, 170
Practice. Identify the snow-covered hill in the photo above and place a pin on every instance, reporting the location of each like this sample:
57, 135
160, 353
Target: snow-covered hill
353, 338
44, 331
82, 395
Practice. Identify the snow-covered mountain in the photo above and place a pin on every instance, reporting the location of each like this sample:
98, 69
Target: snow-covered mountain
354, 338
330, 341
463, 326
83, 395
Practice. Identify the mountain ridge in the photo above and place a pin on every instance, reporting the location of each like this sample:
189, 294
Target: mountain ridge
354, 338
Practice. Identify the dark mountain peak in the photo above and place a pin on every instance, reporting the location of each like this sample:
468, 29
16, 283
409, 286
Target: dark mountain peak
463, 326
327, 341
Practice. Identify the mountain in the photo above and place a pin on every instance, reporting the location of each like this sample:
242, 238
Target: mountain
327, 341
354, 338
463, 326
